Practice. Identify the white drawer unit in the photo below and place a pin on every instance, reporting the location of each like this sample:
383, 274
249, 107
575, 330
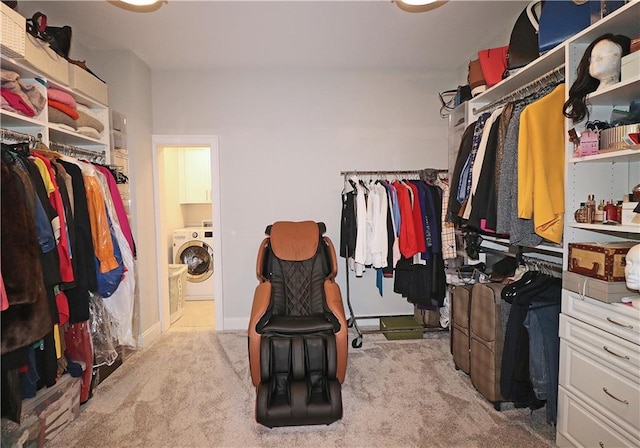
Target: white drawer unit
615, 318
581, 425
599, 378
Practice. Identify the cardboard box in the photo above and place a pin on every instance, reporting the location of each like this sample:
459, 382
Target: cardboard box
87, 84
400, 327
630, 66
604, 261
609, 292
43, 59
628, 215
12, 33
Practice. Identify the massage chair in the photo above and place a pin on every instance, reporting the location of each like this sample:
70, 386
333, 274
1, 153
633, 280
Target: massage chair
297, 330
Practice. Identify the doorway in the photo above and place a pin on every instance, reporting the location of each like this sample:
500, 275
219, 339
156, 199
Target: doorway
178, 219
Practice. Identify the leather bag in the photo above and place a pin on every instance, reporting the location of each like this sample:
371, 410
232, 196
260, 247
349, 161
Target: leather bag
523, 44
493, 62
475, 78
560, 20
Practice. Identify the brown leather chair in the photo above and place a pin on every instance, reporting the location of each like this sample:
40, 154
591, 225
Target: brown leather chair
298, 330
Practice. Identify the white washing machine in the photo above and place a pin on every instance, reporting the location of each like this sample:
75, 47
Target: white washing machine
193, 246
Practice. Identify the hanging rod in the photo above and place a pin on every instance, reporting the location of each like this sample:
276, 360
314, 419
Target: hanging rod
18, 136
74, 150
374, 173
556, 75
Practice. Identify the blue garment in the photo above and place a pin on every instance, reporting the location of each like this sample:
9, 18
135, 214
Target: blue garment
542, 322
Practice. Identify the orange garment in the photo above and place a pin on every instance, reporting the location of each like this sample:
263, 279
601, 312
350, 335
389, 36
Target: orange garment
73, 113
541, 165
100, 233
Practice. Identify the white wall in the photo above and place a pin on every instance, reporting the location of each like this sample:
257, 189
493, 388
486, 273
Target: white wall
170, 196
285, 136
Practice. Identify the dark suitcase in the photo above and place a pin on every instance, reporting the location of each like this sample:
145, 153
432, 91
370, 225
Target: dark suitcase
460, 309
486, 328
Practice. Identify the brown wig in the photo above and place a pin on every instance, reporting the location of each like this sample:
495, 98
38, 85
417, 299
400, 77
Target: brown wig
576, 106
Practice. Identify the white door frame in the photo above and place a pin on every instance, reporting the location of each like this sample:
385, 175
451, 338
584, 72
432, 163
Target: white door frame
159, 142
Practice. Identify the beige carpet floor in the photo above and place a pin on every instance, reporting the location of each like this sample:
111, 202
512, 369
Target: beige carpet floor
192, 389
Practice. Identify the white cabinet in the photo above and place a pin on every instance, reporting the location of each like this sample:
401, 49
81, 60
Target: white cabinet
195, 175
599, 377
58, 137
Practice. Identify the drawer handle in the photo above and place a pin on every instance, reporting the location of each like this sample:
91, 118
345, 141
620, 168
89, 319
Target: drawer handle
601, 444
613, 396
618, 323
575, 267
608, 350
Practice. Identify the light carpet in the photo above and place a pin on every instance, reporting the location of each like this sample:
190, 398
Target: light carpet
193, 389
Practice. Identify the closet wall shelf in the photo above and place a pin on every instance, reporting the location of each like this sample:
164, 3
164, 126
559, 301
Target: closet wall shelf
617, 94
627, 228
15, 120
623, 155
61, 135
541, 247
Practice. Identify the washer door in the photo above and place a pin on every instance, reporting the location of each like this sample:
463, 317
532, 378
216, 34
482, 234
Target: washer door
198, 256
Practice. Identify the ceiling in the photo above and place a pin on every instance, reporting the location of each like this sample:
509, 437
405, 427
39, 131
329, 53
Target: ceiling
286, 34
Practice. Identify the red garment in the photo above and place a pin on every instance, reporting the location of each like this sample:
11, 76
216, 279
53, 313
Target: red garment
63, 246
418, 218
17, 103
407, 238
62, 303
73, 113
4, 300
77, 339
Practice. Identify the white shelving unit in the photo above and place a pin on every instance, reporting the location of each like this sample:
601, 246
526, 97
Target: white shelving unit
599, 374
50, 132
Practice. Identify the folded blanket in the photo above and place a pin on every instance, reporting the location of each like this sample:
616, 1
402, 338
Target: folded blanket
17, 103
64, 108
29, 93
89, 132
62, 97
59, 117
90, 120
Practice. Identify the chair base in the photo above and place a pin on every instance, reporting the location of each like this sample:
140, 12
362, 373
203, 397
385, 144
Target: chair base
299, 407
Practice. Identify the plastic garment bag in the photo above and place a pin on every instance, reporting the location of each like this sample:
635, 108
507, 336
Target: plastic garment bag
103, 330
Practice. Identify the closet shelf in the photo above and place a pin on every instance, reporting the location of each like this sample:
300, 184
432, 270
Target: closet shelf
627, 228
623, 155
15, 120
621, 93
540, 247
66, 137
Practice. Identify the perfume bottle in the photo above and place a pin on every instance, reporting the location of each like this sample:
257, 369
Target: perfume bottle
581, 215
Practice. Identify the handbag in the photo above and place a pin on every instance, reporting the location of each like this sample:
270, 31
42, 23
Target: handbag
475, 78
58, 37
561, 20
450, 99
493, 62
523, 44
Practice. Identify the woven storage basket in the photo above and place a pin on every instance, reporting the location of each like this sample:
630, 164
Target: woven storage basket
13, 29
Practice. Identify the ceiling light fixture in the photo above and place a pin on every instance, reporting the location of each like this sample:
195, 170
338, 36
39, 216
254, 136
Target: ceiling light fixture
419, 5
139, 2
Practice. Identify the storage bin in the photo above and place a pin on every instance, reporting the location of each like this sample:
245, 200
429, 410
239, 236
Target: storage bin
630, 66
177, 290
610, 292
13, 33
400, 327
45, 415
42, 58
604, 261
84, 82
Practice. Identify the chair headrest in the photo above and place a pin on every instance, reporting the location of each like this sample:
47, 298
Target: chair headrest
295, 241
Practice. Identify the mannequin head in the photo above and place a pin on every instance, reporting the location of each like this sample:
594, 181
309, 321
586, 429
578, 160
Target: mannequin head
605, 63
632, 268
600, 61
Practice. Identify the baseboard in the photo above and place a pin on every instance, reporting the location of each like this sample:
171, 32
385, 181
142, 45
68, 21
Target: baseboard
146, 338
236, 323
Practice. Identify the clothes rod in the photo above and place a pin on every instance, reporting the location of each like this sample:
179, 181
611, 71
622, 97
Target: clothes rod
17, 136
71, 150
556, 75
373, 173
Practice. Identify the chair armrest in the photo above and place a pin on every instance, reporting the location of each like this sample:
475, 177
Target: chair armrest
334, 302
261, 300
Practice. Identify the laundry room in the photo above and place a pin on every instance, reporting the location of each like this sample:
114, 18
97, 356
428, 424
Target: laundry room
187, 211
